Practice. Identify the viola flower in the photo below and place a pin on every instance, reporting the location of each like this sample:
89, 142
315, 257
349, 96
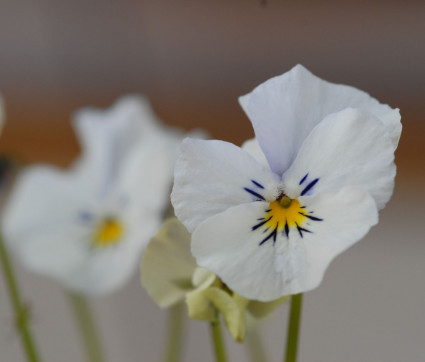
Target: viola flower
88, 225
170, 275
269, 217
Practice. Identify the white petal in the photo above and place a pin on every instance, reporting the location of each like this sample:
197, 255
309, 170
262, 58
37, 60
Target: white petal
105, 270
40, 219
127, 119
253, 148
107, 136
211, 176
349, 148
147, 173
227, 245
284, 110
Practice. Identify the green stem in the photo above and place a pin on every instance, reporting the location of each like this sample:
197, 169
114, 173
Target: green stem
20, 309
87, 328
256, 348
175, 333
293, 328
217, 338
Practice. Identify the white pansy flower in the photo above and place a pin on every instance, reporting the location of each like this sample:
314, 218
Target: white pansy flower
87, 226
270, 217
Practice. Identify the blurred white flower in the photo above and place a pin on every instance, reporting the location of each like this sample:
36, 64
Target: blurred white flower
87, 226
269, 218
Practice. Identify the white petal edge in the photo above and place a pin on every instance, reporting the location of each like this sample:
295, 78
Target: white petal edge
211, 176
108, 135
284, 109
147, 173
253, 148
348, 148
126, 119
226, 245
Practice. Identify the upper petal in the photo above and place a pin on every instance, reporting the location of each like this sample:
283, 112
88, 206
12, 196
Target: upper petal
284, 110
124, 121
107, 136
228, 245
211, 176
348, 148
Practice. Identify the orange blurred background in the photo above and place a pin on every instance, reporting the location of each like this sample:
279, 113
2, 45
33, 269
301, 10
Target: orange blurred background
193, 59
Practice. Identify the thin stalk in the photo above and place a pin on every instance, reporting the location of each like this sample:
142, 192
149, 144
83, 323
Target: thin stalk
175, 333
218, 343
87, 328
293, 328
20, 309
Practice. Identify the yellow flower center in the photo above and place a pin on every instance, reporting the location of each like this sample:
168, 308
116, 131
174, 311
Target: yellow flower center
281, 216
109, 232
285, 213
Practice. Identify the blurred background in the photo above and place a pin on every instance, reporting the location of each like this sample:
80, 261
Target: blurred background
193, 59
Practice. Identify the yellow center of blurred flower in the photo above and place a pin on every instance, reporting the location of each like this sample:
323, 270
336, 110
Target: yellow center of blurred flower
109, 232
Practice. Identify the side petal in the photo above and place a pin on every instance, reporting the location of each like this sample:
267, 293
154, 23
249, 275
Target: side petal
349, 148
211, 176
229, 246
42, 220
284, 109
253, 148
167, 264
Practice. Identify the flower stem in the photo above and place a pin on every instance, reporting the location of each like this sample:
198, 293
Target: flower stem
294, 327
87, 327
20, 309
175, 333
217, 338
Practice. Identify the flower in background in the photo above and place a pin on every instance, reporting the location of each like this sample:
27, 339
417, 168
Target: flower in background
87, 226
270, 217
170, 275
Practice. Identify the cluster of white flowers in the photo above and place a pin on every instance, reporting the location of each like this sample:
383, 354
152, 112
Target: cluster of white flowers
266, 218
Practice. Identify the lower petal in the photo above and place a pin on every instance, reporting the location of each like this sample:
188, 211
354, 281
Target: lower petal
228, 245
